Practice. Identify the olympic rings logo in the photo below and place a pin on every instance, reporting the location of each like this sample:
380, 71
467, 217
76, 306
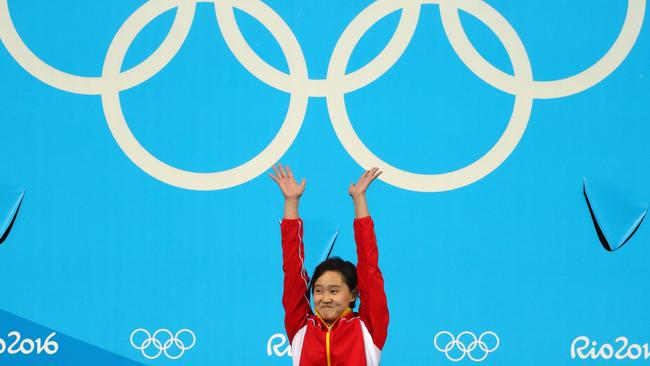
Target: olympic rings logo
334, 87
161, 346
470, 350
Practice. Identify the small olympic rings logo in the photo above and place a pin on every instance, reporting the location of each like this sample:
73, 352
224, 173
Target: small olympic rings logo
477, 350
338, 82
162, 341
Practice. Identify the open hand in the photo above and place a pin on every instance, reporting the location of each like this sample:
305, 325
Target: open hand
359, 189
287, 183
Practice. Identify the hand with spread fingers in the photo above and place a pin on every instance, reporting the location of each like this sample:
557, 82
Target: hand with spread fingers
291, 190
359, 189
358, 192
287, 183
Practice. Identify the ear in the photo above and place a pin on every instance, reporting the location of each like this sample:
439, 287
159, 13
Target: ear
354, 294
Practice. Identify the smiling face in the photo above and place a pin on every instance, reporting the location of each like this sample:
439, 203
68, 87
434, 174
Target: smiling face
332, 296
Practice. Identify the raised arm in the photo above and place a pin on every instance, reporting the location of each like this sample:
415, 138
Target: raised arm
294, 298
373, 308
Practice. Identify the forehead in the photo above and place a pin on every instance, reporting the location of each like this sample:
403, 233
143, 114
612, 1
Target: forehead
330, 278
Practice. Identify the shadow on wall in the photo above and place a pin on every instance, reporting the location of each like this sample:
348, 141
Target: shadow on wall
611, 215
9, 207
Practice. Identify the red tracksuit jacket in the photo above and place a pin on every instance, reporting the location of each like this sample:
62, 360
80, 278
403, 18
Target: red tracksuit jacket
355, 339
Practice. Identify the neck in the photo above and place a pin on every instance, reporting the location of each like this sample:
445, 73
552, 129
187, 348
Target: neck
330, 323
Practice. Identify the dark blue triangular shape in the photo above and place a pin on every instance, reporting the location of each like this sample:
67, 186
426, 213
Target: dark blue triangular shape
9, 207
615, 222
70, 352
320, 238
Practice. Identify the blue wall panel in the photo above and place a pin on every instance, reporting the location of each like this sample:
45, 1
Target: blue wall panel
489, 119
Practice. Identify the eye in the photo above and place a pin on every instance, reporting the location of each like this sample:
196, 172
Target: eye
333, 292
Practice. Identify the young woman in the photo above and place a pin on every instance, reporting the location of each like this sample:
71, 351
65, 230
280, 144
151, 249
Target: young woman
332, 335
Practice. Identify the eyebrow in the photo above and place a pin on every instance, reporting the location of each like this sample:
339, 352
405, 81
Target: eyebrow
331, 286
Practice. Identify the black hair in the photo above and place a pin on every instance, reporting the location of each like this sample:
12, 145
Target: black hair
335, 264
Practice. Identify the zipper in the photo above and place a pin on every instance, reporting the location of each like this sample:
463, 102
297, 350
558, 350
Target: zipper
327, 335
327, 342
327, 346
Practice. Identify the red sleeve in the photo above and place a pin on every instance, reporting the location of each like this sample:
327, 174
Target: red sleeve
373, 308
296, 279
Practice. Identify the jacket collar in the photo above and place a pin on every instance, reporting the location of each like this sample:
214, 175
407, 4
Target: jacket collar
347, 313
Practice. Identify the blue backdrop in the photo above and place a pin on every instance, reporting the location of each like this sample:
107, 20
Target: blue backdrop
483, 215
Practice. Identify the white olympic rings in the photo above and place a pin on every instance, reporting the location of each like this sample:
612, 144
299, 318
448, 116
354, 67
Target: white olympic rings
162, 347
466, 350
334, 87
